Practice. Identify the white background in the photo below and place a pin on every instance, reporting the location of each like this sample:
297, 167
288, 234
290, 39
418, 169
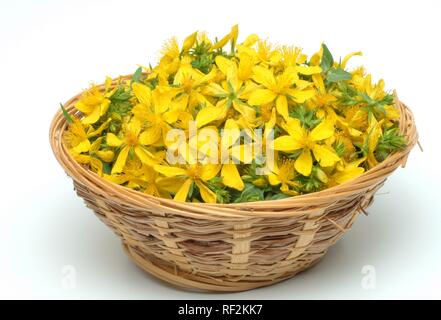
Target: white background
50, 50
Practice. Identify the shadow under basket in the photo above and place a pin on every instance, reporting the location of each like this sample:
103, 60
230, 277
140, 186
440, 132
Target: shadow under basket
227, 247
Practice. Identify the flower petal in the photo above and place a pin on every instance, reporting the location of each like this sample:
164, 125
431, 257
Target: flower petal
287, 143
318, 82
349, 56
83, 146
207, 195
189, 41
105, 155
142, 93
169, 184
323, 130
182, 193
248, 112
93, 117
162, 97
274, 179
134, 126
150, 135
209, 171
83, 107
308, 70
231, 177
261, 96
230, 134
282, 106
348, 174
301, 96
294, 127
170, 171
145, 156
325, 155
231, 36
113, 140
264, 76
121, 160
303, 163
223, 64
207, 115
213, 89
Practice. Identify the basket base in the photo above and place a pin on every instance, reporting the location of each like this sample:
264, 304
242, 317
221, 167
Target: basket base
193, 282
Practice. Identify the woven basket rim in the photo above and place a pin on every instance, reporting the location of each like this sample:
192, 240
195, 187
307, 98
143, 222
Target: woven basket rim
380, 172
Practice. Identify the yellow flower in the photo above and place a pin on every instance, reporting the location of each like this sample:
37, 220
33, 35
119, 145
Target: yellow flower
189, 174
154, 108
203, 149
245, 150
76, 137
142, 177
93, 159
96, 151
220, 101
346, 172
354, 122
348, 145
243, 70
95, 164
299, 138
132, 140
280, 89
94, 103
292, 57
170, 60
233, 92
284, 175
364, 84
323, 103
188, 83
266, 54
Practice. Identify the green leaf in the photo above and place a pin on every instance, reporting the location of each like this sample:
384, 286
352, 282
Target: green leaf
335, 75
250, 193
107, 167
137, 75
222, 193
327, 59
191, 190
202, 57
311, 183
339, 148
376, 106
276, 196
120, 102
66, 114
230, 86
390, 142
307, 117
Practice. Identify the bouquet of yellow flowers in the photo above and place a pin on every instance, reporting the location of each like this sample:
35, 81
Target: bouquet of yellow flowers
227, 122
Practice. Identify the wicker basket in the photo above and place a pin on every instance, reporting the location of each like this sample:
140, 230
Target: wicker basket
227, 247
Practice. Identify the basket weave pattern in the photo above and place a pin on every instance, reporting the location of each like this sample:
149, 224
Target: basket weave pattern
229, 247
